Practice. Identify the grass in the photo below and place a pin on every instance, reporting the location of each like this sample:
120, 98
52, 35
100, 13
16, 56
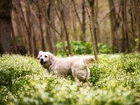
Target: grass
114, 81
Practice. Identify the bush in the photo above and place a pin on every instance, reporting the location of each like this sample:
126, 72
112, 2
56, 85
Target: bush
105, 49
79, 47
15, 71
23, 81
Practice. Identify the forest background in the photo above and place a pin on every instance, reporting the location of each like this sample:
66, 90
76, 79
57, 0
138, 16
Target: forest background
70, 27
27, 26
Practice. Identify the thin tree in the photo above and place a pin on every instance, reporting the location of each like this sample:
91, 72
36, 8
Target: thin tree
137, 17
62, 14
62, 36
93, 27
20, 27
113, 24
125, 44
49, 36
27, 26
83, 21
133, 23
39, 8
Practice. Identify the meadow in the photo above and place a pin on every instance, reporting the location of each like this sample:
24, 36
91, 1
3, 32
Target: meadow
115, 80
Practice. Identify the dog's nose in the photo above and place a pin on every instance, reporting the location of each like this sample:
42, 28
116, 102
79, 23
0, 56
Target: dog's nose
41, 60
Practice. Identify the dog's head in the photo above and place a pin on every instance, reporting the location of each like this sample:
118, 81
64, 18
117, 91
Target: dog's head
45, 57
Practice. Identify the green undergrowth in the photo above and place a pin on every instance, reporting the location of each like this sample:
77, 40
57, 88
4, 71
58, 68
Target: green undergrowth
114, 81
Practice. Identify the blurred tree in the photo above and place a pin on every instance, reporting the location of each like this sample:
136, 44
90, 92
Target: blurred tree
93, 26
61, 8
83, 21
125, 44
38, 4
49, 34
135, 23
113, 24
5, 25
41, 24
25, 16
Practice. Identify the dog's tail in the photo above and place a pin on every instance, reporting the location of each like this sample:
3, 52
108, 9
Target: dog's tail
88, 60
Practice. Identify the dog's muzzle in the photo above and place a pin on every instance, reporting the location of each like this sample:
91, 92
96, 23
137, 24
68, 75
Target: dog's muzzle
42, 61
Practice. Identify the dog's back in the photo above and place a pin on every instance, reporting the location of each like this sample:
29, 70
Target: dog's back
88, 60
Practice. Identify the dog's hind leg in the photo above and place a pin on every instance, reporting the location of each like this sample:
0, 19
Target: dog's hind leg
87, 76
81, 75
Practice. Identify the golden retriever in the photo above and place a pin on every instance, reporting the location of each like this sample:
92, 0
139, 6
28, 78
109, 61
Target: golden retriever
75, 65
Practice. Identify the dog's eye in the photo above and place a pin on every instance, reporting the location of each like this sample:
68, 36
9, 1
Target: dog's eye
40, 55
45, 56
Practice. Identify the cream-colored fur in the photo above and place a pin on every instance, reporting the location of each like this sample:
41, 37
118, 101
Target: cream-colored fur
75, 65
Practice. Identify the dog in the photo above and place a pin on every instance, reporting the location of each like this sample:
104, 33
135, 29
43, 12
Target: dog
77, 66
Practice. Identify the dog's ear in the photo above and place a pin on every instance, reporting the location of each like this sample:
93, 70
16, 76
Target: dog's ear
39, 54
51, 57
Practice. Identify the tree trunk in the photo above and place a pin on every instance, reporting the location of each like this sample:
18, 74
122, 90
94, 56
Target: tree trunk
113, 24
133, 23
65, 28
137, 6
21, 31
125, 44
83, 21
27, 27
41, 32
13, 40
93, 28
5, 31
40, 23
35, 49
74, 28
5, 26
82, 24
52, 18
48, 29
